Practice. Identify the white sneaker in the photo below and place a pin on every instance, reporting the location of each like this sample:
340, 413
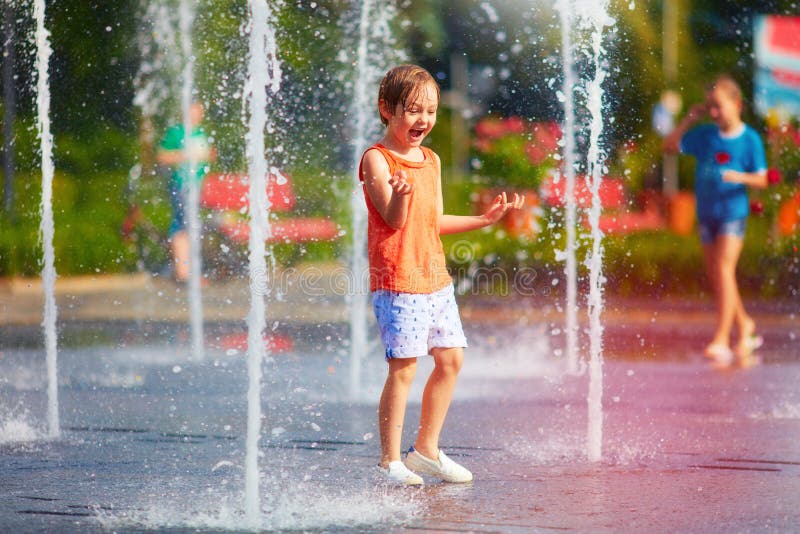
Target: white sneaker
398, 473
443, 468
721, 356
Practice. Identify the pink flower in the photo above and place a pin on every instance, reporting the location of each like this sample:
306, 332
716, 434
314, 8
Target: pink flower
757, 207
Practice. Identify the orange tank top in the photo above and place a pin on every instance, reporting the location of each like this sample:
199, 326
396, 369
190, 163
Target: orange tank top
411, 259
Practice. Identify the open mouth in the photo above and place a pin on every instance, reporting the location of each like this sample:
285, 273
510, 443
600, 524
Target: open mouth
416, 134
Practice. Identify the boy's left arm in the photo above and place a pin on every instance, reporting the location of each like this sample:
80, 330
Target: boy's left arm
753, 179
454, 224
757, 178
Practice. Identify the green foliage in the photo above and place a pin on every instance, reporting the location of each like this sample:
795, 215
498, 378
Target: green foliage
783, 145
652, 263
106, 147
506, 165
87, 214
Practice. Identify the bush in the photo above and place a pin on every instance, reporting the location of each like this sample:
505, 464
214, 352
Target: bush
88, 215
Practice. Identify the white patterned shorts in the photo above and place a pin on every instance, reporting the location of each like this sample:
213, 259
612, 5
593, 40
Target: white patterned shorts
412, 324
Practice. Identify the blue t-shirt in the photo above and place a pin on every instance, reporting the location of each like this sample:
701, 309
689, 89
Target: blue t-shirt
719, 201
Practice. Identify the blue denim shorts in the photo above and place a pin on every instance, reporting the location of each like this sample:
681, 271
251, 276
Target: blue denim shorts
412, 324
176, 199
711, 230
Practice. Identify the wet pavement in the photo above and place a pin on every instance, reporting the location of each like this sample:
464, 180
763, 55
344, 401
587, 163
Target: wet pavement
153, 440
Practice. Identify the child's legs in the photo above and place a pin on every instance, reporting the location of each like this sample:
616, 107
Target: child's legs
392, 407
728, 247
436, 398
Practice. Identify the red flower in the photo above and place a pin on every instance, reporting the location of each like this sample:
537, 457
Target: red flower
630, 146
722, 158
536, 154
545, 137
489, 128
757, 207
773, 176
514, 125
482, 145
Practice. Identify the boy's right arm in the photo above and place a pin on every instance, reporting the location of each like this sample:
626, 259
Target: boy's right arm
389, 194
672, 143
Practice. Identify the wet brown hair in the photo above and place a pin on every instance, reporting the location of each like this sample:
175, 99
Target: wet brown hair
727, 85
403, 85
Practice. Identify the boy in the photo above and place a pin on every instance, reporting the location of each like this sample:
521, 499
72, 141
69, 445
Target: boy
412, 292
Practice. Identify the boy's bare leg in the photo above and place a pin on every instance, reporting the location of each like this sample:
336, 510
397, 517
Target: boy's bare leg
729, 303
710, 259
746, 327
392, 407
180, 255
436, 399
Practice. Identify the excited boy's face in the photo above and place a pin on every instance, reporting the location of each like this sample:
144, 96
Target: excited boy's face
410, 124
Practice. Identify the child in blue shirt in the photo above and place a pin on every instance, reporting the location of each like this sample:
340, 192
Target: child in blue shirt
730, 156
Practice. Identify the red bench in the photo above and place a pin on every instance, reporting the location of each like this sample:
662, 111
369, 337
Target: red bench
229, 193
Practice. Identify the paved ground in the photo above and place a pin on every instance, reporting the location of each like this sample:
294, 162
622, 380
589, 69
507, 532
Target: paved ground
152, 440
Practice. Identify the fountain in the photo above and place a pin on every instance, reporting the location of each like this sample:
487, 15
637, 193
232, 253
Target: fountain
164, 82
594, 18
597, 18
373, 59
565, 9
264, 75
46, 229
186, 23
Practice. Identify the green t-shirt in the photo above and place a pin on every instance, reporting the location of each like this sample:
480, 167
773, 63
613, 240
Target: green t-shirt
198, 142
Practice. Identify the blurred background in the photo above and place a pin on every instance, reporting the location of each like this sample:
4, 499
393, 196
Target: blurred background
115, 73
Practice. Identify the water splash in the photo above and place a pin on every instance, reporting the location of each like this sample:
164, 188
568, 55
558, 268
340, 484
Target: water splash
160, 66
594, 15
288, 509
374, 54
155, 83
18, 428
264, 74
46, 228
186, 23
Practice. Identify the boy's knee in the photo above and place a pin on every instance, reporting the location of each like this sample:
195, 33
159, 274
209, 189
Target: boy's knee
449, 360
403, 370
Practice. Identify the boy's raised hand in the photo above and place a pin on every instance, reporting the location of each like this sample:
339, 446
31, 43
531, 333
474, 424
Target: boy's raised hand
672, 143
501, 205
697, 112
399, 184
